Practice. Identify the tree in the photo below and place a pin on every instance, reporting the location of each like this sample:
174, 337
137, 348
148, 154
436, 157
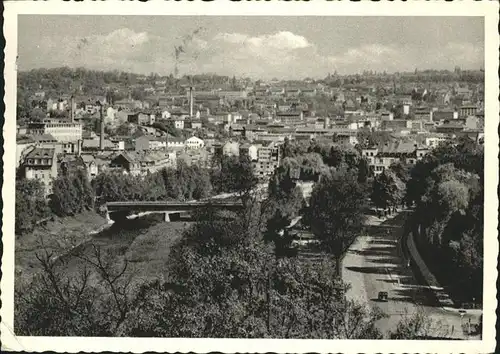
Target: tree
234, 174
415, 326
285, 201
336, 212
363, 170
387, 191
223, 281
447, 187
224, 284
54, 304
37, 115
31, 206
72, 194
402, 171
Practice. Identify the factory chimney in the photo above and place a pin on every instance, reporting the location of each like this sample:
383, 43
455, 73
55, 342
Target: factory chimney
191, 102
101, 138
72, 109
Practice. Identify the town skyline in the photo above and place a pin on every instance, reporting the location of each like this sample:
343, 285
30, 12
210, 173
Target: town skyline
254, 47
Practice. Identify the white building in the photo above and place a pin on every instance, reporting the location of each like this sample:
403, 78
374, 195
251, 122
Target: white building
231, 148
61, 131
179, 123
165, 114
194, 143
175, 143
110, 115
249, 150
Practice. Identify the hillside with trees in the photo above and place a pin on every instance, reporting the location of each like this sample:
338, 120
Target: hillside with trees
447, 187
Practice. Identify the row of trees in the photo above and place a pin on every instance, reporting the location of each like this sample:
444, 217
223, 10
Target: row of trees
73, 193
183, 183
447, 187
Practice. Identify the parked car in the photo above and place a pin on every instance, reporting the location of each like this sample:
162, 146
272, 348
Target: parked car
383, 296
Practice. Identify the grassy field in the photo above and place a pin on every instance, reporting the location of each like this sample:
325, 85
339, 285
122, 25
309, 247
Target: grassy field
57, 236
144, 243
148, 255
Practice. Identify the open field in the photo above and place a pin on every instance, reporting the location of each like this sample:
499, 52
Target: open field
58, 236
144, 243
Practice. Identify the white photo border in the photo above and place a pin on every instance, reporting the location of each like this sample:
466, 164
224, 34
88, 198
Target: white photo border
486, 9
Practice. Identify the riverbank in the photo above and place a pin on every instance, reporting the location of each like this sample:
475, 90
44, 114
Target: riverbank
57, 236
144, 243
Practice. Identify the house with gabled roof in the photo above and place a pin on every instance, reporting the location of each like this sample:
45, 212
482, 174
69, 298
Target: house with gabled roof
41, 164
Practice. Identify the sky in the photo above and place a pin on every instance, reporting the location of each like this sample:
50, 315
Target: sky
257, 47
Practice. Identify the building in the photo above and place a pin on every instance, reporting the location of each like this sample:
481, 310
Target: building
154, 161
233, 95
277, 91
415, 125
146, 142
220, 118
194, 143
385, 116
347, 138
466, 111
193, 124
108, 144
91, 166
178, 122
289, 117
309, 92
382, 157
432, 141
249, 150
128, 163
423, 113
198, 157
175, 143
440, 115
41, 164
395, 124
272, 137
268, 159
231, 148
61, 131
293, 92
450, 128
23, 146
141, 118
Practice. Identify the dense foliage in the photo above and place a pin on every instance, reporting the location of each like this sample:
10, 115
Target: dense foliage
387, 190
71, 194
336, 213
233, 174
223, 282
447, 187
31, 206
183, 183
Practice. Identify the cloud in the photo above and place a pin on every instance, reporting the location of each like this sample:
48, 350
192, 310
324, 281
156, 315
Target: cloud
281, 40
281, 54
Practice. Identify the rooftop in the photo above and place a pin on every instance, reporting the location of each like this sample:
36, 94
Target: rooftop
41, 152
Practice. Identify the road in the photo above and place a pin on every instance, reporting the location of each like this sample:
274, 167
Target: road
375, 262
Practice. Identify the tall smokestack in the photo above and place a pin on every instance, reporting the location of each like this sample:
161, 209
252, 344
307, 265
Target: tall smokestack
101, 138
191, 102
72, 109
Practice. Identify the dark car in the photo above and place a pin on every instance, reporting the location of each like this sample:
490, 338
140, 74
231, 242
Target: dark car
382, 296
